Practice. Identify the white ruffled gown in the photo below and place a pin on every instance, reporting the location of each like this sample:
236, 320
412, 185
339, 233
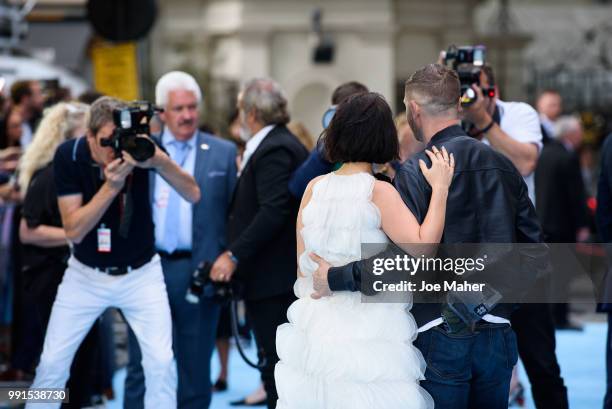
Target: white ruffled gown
339, 352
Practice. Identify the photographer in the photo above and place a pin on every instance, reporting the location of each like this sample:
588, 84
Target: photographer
105, 206
46, 251
513, 129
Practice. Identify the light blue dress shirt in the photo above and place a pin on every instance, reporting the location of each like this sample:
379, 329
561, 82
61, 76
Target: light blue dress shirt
162, 194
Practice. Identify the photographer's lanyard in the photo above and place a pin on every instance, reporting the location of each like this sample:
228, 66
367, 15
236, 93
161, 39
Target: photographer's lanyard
126, 207
126, 210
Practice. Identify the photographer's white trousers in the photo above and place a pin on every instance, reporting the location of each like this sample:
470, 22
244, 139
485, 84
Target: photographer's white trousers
82, 296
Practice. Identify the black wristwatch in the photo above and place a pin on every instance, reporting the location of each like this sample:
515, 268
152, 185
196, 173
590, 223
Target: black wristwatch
486, 128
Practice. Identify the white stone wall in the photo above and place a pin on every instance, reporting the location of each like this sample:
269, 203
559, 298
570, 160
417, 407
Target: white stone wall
379, 43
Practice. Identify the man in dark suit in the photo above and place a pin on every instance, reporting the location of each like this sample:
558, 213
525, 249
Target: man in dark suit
186, 235
262, 245
561, 200
561, 207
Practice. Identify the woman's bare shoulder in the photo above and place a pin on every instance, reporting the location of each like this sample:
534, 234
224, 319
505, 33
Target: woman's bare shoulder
383, 191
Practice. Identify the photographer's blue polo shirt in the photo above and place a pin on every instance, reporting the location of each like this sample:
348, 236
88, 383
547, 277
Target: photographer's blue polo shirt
77, 173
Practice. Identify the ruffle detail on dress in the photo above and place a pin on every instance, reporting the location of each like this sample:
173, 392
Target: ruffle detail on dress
346, 351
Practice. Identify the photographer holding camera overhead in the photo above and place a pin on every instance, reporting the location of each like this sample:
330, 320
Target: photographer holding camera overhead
513, 129
104, 201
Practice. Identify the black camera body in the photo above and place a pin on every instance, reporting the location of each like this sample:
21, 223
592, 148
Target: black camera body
225, 294
468, 61
202, 286
129, 123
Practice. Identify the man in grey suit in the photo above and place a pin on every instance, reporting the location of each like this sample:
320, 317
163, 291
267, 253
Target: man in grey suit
186, 235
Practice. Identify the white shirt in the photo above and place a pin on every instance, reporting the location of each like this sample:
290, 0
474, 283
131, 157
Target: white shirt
162, 193
494, 319
26, 135
253, 143
548, 125
522, 123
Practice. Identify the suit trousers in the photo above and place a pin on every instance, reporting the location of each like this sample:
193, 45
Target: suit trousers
194, 332
535, 331
265, 316
82, 297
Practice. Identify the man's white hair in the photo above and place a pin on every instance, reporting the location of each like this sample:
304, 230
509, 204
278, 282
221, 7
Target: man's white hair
175, 81
566, 124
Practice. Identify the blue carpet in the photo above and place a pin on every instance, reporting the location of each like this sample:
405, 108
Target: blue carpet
582, 359
581, 356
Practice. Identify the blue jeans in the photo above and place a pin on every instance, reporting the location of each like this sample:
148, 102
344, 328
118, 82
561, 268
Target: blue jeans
469, 371
194, 328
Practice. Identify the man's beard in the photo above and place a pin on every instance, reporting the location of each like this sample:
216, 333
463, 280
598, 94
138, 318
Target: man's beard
245, 133
418, 132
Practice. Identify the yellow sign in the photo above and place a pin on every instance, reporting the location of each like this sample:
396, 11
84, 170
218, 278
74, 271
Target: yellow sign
116, 70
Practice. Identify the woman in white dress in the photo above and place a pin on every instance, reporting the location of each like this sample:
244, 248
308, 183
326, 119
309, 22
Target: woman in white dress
338, 352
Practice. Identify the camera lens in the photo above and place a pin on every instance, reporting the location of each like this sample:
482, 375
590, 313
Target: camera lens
140, 148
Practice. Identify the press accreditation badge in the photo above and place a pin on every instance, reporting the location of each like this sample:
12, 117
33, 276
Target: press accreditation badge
104, 240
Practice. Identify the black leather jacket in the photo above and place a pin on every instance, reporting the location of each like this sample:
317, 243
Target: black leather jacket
488, 202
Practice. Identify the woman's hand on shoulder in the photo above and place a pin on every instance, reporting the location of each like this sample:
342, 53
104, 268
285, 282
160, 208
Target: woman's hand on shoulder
440, 174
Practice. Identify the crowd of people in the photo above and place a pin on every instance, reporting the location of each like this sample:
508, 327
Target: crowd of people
85, 228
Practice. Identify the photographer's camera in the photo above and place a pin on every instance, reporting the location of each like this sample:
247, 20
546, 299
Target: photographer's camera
202, 286
468, 61
129, 123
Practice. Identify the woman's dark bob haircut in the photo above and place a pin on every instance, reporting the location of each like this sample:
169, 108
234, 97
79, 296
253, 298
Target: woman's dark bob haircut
362, 130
